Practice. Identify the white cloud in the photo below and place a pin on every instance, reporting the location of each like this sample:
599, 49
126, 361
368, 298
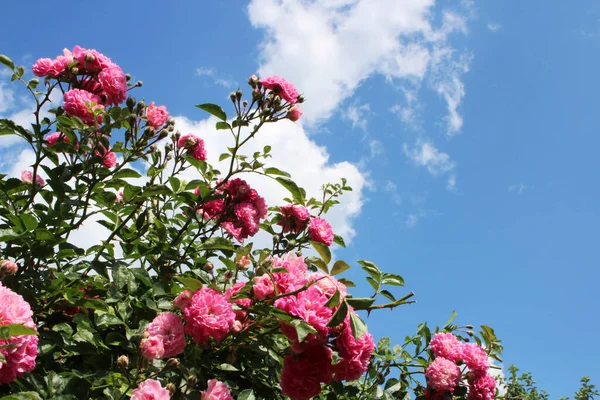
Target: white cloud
392, 189
494, 27
413, 219
357, 115
217, 79
425, 154
518, 188
327, 48
408, 112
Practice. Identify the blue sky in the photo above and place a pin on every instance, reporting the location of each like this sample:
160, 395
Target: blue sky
470, 130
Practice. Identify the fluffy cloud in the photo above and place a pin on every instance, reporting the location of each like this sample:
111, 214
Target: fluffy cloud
425, 154
329, 47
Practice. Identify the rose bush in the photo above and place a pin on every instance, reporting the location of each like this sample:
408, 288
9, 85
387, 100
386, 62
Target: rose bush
177, 301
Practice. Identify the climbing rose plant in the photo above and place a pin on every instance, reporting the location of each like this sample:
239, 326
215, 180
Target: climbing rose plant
177, 300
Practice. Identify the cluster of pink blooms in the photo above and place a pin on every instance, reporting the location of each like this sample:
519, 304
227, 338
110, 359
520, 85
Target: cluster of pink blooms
208, 315
295, 218
19, 352
311, 358
240, 211
444, 375
216, 390
27, 177
193, 145
287, 91
165, 337
150, 389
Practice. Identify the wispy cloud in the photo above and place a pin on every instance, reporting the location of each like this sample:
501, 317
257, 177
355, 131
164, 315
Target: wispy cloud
518, 188
392, 190
425, 154
413, 219
357, 114
217, 80
494, 27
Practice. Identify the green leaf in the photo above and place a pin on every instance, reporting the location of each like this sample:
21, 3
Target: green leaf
127, 173
454, 314
392, 279
217, 243
8, 234
246, 394
360, 303
338, 267
7, 61
323, 251
189, 283
339, 241
22, 396
334, 300
213, 109
29, 221
175, 183
317, 262
9, 330
339, 316
297, 193
276, 171
302, 329
227, 367
359, 328
223, 125
371, 269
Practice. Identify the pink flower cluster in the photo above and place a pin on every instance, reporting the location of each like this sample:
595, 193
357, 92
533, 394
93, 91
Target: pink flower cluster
355, 353
283, 88
193, 144
165, 337
150, 389
208, 314
240, 211
19, 352
294, 218
443, 374
241, 304
158, 116
216, 390
101, 82
303, 373
27, 177
320, 231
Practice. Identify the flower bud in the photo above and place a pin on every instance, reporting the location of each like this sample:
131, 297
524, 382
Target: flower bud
163, 133
171, 388
228, 275
74, 70
171, 121
266, 111
169, 157
141, 106
130, 103
245, 103
192, 380
256, 94
471, 333
208, 267
128, 77
8, 267
232, 96
149, 131
172, 363
299, 253
253, 80
276, 101
89, 58
169, 147
292, 243
275, 238
300, 99
469, 326
139, 84
238, 94
123, 361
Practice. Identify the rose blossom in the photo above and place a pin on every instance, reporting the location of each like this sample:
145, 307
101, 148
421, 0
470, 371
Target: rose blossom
109, 158
169, 328
243, 303
8, 267
475, 357
303, 373
328, 284
209, 315
27, 177
280, 86
293, 218
446, 345
216, 390
78, 102
194, 145
119, 198
263, 286
19, 351
150, 389
482, 387
91, 60
320, 231
355, 354
114, 84
443, 375
309, 305
152, 347
157, 116
183, 300
47, 67
294, 114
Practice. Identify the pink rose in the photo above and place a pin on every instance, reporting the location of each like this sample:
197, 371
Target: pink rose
114, 84
320, 231
294, 218
183, 300
443, 375
150, 389
280, 86
8, 267
194, 145
216, 390
90, 60
82, 104
209, 315
157, 116
446, 345
47, 67
27, 177
109, 158
152, 347
169, 328
303, 373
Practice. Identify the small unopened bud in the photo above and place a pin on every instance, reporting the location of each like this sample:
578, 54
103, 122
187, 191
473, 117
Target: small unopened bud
141, 106
172, 363
163, 134
228, 275
177, 135
192, 380
238, 94
171, 388
276, 101
139, 84
130, 103
300, 99
170, 128
171, 121
169, 147
169, 157
149, 131
292, 243
256, 94
123, 361
232, 96
299, 253
275, 238
128, 77
469, 326
471, 333
209, 266
245, 103
74, 70
253, 80
266, 111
